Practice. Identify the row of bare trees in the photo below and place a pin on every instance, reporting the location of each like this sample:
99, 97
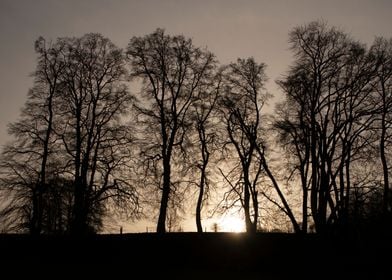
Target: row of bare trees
335, 124
71, 144
86, 147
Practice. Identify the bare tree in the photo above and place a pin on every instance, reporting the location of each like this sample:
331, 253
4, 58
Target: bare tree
293, 134
93, 135
205, 126
241, 104
381, 52
72, 128
328, 112
25, 161
172, 70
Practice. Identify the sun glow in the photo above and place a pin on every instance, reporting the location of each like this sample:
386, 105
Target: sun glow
232, 224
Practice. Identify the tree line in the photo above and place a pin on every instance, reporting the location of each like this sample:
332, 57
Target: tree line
161, 125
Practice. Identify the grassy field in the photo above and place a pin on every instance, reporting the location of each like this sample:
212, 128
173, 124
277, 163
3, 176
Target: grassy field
196, 256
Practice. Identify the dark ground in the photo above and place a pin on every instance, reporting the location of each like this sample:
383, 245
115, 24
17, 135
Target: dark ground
195, 256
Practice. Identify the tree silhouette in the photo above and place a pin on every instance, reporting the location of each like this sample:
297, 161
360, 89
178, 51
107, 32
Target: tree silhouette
381, 52
326, 118
85, 147
203, 140
241, 103
172, 70
25, 162
93, 136
72, 123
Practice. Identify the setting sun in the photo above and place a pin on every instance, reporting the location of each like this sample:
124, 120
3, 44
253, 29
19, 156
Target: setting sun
232, 224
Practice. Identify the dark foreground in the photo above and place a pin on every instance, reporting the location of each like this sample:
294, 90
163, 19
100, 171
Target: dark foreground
195, 256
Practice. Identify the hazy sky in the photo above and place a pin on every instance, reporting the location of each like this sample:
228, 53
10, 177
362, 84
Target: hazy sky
230, 29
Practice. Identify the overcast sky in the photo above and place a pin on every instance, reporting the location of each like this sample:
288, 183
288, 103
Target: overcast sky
230, 29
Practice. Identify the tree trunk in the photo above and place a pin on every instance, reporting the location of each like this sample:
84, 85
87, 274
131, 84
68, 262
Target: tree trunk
40, 186
248, 220
314, 190
256, 211
384, 163
200, 200
346, 211
322, 199
161, 226
203, 176
79, 215
34, 213
289, 213
304, 209
304, 197
77, 227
